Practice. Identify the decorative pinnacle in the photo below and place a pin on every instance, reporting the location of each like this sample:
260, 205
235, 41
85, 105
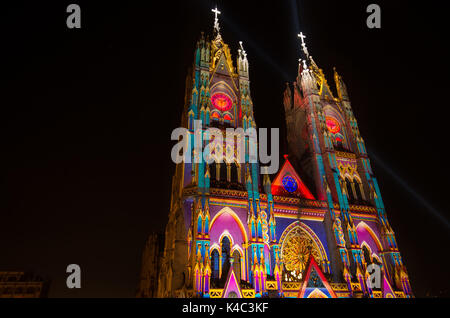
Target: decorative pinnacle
305, 67
242, 49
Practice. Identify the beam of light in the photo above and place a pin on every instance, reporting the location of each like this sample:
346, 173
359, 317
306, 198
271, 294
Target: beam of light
295, 19
410, 190
293, 8
248, 42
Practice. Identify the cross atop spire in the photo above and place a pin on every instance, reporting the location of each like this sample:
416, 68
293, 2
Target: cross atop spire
216, 19
302, 37
305, 49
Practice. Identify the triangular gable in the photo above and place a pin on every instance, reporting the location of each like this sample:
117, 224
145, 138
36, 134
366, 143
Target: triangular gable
288, 170
317, 293
314, 282
222, 66
388, 292
326, 91
232, 285
226, 71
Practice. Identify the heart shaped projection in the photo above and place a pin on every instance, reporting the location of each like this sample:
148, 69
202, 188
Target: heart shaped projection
333, 125
221, 102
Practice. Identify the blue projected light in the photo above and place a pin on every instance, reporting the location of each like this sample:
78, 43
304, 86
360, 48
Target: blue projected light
289, 184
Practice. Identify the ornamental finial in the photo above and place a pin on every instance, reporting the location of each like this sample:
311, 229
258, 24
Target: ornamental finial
242, 49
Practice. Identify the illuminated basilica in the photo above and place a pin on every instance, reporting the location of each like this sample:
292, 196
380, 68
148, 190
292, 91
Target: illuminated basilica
315, 229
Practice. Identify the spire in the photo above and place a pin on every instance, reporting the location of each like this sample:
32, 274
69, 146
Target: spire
242, 50
302, 63
242, 60
340, 86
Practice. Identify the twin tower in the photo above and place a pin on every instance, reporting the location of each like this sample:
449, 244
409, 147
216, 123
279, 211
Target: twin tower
233, 232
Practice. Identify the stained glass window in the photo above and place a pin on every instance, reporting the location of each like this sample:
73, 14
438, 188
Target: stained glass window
227, 117
289, 184
295, 250
221, 102
215, 264
333, 125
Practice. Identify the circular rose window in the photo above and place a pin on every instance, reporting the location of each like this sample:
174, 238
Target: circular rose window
221, 102
295, 251
333, 125
289, 184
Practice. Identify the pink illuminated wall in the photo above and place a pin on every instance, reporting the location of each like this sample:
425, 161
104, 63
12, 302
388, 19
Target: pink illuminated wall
227, 221
368, 233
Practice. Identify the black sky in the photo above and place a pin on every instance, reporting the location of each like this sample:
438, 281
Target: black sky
86, 117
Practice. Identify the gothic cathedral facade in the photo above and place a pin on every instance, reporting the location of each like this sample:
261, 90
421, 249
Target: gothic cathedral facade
318, 228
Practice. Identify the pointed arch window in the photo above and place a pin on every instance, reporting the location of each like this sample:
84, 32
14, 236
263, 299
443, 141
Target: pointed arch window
237, 264
206, 225
199, 224
358, 187
212, 171
259, 229
226, 248
227, 117
367, 256
215, 265
223, 171
348, 185
191, 122
234, 173
215, 115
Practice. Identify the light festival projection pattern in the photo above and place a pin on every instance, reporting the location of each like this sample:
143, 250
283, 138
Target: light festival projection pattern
289, 184
221, 102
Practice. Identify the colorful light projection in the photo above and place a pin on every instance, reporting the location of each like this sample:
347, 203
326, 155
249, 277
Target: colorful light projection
265, 226
289, 184
227, 117
221, 102
333, 125
281, 184
295, 251
335, 128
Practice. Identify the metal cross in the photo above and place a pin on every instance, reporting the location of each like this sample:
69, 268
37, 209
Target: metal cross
302, 37
216, 12
216, 20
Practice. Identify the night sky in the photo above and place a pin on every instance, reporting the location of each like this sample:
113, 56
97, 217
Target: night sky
86, 118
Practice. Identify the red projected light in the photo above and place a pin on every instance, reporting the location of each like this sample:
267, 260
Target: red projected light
333, 125
221, 102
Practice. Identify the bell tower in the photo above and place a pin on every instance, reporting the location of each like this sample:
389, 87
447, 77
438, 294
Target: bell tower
217, 102
325, 143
